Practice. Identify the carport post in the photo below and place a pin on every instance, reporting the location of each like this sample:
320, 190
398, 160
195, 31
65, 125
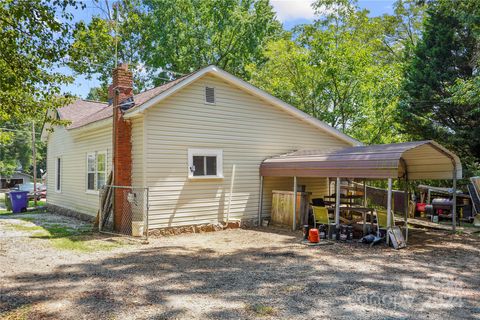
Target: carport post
389, 207
454, 199
365, 193
337, 203
294, 223
406, 202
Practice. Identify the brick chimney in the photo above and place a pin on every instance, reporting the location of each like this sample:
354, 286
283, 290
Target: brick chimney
122, 90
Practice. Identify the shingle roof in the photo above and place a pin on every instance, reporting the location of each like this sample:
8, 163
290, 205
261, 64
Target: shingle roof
79, 109
83, 112
104, 113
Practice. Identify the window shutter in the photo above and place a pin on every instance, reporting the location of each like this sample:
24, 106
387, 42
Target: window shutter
209, 95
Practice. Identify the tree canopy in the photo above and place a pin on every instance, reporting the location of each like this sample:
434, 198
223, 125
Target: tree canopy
441, 84
163, 41
345, 69
33, 43
412, 74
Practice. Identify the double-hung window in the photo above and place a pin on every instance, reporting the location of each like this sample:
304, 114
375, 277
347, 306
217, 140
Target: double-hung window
205, 163
96, 170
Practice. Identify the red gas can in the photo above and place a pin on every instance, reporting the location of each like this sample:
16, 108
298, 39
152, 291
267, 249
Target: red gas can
313, 236
421, 207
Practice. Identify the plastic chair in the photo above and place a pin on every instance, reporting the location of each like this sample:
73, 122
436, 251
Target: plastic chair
320, 215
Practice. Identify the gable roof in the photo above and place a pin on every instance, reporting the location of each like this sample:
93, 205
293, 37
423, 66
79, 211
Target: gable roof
90, 112
186, 80
419, 159
79, 110
84, 112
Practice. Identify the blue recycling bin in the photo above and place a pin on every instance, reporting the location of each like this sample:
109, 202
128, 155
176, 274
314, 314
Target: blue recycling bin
19, 201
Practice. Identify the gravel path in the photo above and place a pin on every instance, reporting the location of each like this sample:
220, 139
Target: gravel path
248, 274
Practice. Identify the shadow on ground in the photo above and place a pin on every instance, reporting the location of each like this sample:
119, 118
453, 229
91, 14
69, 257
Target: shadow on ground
287, 281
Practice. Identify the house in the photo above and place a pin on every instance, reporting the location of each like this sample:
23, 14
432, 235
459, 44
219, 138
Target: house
211, 147
196, 143
14, 179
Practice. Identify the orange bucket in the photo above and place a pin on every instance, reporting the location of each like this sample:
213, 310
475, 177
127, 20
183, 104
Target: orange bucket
313, 235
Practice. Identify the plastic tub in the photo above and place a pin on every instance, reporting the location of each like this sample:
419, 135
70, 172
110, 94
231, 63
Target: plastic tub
137, 228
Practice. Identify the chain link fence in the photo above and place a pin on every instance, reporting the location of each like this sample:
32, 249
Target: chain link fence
124, 210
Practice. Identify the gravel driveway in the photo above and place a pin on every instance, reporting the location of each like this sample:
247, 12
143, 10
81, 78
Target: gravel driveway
248, 274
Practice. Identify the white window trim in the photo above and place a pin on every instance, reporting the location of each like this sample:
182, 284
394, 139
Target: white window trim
104, 165
58, 190
95, 173
214, 95
208, 153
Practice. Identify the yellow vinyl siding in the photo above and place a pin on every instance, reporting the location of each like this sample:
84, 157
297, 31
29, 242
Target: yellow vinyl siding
247, 129
73, 146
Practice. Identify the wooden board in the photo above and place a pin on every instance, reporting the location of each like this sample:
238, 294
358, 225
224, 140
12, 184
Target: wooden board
282, 207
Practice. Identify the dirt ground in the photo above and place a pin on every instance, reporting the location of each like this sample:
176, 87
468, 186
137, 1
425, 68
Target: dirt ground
248, 274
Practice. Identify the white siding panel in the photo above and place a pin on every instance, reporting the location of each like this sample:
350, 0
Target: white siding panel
247, 129
72, 147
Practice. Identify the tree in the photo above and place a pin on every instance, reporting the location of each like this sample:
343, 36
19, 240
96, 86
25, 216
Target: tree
441, 83
32, 43
403, 29
194, 34
16, 150
110, 37
163, 41
98, 94
339, 70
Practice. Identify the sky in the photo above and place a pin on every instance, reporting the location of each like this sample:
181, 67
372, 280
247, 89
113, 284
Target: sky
289, 12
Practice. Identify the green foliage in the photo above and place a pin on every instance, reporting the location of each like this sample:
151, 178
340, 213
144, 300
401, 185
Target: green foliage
16, 149
157, 38
194, 34
32, 43
441, 83
344, 69
98, 94
108, 39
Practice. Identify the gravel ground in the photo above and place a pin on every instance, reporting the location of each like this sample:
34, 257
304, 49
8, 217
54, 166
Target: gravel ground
248, 274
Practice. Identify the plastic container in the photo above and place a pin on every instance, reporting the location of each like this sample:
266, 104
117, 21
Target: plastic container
19, 201
137, 228
313, 235
421, 207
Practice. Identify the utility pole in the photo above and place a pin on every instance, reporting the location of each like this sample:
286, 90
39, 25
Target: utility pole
34, 160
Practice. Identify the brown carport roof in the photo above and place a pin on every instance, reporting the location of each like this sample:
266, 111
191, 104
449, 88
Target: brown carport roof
420, 159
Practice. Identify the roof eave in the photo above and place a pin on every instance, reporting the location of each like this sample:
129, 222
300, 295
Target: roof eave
92, 125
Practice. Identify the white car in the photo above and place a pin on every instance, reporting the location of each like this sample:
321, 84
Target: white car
41, 188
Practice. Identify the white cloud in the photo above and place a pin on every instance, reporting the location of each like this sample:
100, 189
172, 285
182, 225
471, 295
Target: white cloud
293, 9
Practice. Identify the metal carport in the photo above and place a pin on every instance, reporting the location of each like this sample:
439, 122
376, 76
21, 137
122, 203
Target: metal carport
407, 161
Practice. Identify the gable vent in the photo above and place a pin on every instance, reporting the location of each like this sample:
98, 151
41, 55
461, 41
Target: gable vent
209, 95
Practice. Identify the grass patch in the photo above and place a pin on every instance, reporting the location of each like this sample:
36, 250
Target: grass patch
84, 244
21, 313
65, 237
262, 310
29, 219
